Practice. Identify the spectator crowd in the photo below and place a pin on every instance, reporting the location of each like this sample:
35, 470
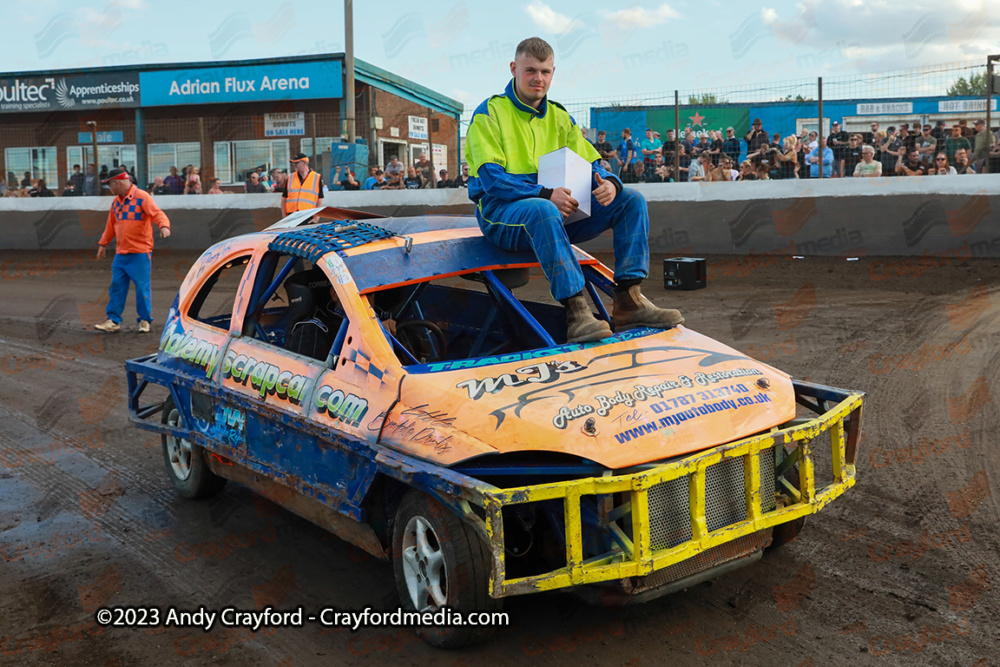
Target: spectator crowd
714, 155
187, 181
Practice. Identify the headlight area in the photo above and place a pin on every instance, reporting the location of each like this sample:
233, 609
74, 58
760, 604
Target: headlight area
648, 527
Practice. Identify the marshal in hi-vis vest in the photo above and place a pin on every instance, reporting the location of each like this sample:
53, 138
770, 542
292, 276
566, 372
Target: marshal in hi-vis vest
302, 194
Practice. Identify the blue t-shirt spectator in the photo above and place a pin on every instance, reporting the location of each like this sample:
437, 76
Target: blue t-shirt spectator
373, 183
827, 163
623, 150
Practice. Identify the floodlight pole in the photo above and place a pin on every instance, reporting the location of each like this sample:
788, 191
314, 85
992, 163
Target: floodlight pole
819, 138
349, 69
93, 138
677, 137
989, 116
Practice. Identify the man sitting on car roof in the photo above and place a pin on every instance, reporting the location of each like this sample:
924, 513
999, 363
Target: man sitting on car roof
507, 135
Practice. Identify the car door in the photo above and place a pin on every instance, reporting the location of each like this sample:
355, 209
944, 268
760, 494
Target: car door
306, 417
199, 325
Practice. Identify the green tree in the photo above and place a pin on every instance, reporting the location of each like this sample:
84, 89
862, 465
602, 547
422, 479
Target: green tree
797, 98
706, 98
975, 86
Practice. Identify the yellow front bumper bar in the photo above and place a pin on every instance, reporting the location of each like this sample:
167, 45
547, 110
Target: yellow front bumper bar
637, 558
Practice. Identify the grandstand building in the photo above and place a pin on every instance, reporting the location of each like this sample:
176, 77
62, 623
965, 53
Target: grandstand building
225, 118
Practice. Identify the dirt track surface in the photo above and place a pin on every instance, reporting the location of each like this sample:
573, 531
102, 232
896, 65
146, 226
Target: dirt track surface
905, 568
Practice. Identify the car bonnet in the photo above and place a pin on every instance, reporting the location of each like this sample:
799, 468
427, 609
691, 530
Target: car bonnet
650, 396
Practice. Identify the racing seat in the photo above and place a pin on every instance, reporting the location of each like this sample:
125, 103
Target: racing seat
311, 329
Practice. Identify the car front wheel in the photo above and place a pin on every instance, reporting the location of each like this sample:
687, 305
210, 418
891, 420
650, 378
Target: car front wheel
441, 562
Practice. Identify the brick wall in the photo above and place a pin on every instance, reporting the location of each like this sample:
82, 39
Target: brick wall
395, 113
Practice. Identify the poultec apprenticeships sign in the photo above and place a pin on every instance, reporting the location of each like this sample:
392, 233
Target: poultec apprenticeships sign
252, 83
84, 91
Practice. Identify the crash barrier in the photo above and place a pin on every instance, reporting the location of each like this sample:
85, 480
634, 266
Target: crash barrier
949, 218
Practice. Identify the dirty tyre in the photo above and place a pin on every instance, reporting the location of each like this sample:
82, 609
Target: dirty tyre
440, 561
786, 532
185, 465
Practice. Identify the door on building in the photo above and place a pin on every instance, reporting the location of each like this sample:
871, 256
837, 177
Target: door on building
415, 151
390, 148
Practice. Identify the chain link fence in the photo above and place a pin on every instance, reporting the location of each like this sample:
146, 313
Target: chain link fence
797, 116
909, 122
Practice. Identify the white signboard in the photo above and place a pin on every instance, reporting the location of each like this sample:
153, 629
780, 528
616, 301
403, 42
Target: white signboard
949, 106
285, 124
418, 128
880, 108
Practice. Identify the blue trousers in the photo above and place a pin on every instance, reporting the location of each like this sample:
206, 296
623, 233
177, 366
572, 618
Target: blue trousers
537, 224
135, 267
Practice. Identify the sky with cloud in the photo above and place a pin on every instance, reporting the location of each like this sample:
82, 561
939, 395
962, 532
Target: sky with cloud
462, 48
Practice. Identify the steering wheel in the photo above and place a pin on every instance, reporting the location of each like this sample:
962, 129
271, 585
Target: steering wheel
425, 348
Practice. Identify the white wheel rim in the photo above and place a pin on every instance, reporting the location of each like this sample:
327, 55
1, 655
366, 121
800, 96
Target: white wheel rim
423, 565
178, 449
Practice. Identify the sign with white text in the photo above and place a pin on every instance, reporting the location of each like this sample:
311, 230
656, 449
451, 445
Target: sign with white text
109, 137
77, 92
248, 83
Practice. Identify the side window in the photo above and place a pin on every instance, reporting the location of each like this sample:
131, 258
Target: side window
213, 305
301, 314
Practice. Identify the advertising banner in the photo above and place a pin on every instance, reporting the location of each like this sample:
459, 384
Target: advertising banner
250, 83
699, 119
78, 92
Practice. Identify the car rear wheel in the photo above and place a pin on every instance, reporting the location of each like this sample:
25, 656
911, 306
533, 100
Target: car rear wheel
786, 532
440, 561
185, 466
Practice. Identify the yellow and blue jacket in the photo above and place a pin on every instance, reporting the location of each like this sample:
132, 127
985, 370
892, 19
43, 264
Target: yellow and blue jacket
505, 139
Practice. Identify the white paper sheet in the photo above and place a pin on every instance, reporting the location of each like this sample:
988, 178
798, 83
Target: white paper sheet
565, 169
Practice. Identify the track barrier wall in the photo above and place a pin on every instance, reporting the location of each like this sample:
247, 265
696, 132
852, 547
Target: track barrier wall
953, 217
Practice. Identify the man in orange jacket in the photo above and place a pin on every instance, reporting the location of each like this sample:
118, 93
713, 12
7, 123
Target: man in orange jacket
130, 223
304, 187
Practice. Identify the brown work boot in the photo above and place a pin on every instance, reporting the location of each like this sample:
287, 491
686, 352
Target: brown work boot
581, 325
632, 310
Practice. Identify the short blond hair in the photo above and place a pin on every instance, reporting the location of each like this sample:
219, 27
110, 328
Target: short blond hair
534, 47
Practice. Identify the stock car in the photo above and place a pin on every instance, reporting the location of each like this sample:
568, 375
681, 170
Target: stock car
432, 418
